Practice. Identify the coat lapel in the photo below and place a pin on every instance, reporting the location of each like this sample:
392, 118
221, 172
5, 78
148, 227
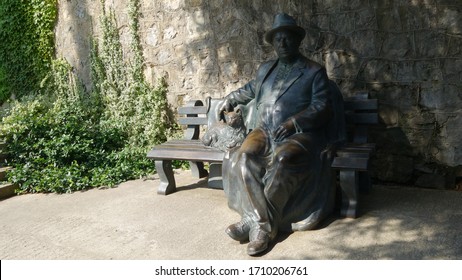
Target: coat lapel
294, 74
265, 73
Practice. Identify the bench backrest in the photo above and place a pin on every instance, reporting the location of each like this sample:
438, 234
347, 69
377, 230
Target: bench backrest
193, 115
360, 112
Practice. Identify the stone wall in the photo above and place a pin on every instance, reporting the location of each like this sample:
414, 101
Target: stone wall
406, 53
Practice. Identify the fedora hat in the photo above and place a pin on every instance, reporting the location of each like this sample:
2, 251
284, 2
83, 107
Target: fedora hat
283, 21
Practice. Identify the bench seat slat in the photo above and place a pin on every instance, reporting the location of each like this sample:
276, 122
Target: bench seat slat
369, 104
184, 142
167, 146
354, 153
192, 110
177, 153
360, 145
349, 163
362, 118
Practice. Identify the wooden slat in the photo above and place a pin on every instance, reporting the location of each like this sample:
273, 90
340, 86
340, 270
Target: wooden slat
185, 154
360, 145
361, 95
173, 146
362, 118
360, 134
370, 104
359, 164
192, 110
193, 121
184, 142
354, 153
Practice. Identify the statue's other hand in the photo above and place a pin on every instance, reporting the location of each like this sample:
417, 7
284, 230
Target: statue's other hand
224, 107
284, 130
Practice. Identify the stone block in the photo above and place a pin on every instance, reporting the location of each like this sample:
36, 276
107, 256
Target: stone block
7, 190
365, 18
439, 96
365, 42
4, 171
450, 20
341, 64
449, 138
379, 70
325, 6
433, 181
389, 115
430, 43
413, 17
455, 47
388, 19
152, 36
428, 70
452, 70
393, 141
396, 46
321, 21
342, 23
405, 98
393, 168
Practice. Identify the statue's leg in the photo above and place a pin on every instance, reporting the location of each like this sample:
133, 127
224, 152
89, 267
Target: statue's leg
289, 170
242, 175
296, 187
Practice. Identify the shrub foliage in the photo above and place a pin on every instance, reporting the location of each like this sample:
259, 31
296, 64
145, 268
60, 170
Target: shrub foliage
68, 139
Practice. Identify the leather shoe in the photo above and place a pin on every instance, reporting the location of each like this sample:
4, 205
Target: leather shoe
239, 231
258, 244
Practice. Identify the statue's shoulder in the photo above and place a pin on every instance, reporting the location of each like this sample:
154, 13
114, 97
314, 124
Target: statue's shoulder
311, 65
267, 65
311, 68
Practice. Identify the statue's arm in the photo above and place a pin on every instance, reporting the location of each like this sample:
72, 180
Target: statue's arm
320, 111
242, 95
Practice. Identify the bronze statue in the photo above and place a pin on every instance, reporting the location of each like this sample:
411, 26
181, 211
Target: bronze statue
279, 179
227, 133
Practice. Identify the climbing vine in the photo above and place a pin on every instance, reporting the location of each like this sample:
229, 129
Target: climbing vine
27, 48
129, 101
66, 139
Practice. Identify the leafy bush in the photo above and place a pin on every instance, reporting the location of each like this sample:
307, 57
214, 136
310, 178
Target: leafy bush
66, 139
59, 144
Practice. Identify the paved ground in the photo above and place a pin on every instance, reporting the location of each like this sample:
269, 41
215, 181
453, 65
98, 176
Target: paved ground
133, 222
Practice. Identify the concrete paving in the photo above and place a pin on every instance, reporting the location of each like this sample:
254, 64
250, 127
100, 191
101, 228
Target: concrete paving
132, 222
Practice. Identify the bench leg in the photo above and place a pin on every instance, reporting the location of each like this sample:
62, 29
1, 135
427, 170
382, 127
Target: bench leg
349, 184
167, 180
197, 169
365, 183
215, 178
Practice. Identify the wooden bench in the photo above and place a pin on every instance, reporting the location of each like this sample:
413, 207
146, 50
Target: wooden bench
190, 148
351, 159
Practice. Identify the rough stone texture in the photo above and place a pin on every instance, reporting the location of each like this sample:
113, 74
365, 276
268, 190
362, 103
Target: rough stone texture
406, 53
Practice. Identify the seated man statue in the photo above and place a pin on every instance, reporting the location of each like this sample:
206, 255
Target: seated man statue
279, 178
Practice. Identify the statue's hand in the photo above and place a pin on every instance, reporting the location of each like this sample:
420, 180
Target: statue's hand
224, 107
286, 129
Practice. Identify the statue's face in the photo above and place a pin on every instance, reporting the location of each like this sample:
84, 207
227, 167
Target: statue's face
286, 44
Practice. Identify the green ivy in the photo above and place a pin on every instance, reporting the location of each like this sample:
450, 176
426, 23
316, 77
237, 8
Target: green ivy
65, 139
27, 48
